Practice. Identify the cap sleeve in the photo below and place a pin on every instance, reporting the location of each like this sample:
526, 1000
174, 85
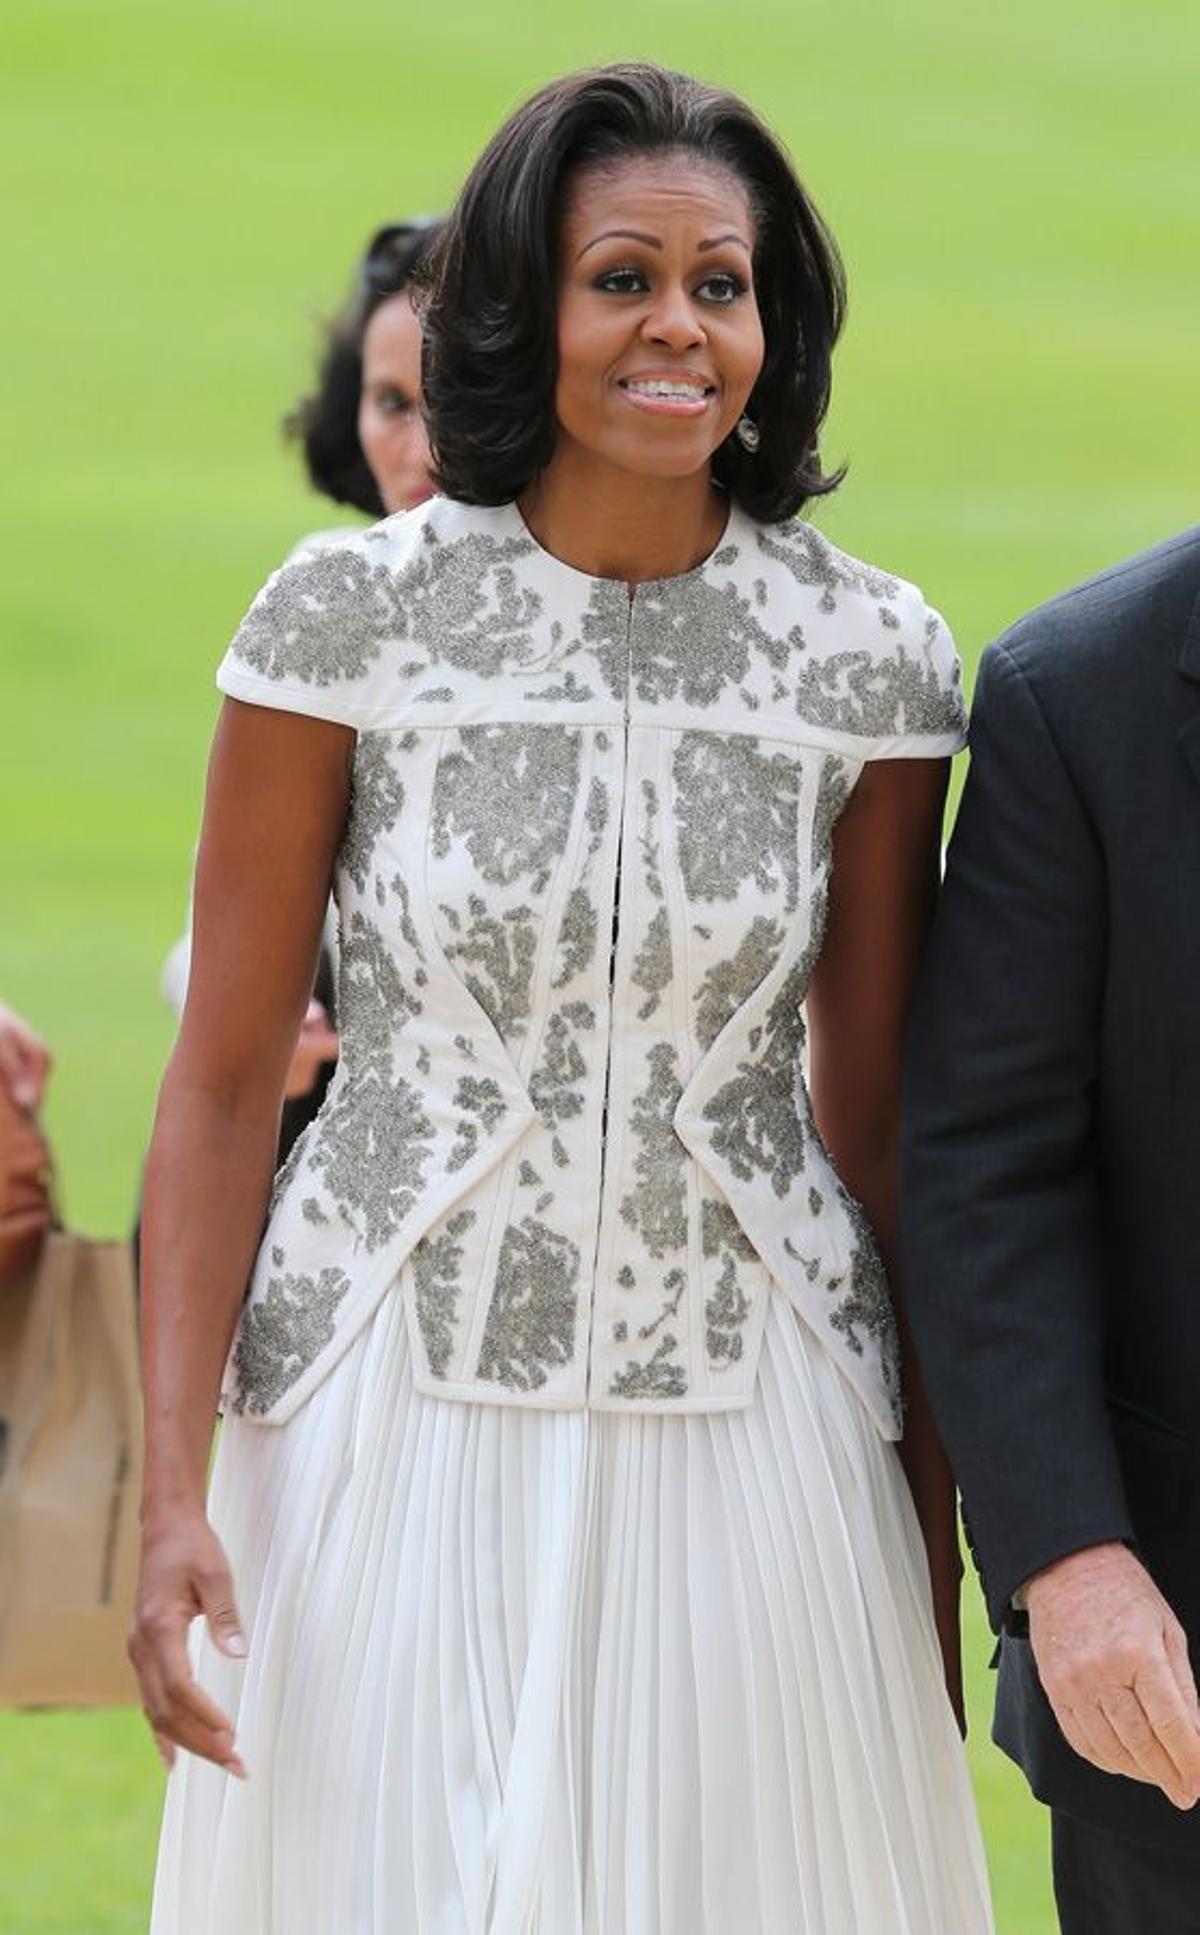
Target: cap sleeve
313, 639
925, 714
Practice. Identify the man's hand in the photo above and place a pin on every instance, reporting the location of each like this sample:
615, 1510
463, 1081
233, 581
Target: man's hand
1113, 1660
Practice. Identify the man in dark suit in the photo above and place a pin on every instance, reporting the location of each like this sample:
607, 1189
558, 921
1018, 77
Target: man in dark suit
1051, 1209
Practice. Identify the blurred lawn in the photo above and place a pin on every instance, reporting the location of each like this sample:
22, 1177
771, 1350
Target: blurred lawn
1016, 194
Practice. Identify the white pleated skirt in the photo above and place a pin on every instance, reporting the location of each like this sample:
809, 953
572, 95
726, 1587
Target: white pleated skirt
521, 1672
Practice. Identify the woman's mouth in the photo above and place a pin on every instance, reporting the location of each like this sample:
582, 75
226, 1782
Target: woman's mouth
676, 396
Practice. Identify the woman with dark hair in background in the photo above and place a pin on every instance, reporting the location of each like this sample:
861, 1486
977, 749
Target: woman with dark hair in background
363, 436
559, 1487
362, 430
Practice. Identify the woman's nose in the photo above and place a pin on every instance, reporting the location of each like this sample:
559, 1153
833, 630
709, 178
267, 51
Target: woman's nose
674, 321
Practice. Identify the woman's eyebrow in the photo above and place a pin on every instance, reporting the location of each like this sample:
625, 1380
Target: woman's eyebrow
624, 234
653, 241
731, 236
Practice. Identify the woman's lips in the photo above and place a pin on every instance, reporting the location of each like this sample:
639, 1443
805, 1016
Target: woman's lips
673, 396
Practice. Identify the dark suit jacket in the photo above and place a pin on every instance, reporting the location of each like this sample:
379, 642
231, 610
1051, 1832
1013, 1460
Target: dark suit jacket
1051, 1198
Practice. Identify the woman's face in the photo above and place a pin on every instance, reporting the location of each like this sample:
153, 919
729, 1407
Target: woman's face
659, 337
391, 429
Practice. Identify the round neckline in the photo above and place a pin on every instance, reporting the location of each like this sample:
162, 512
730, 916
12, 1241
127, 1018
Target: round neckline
623, 584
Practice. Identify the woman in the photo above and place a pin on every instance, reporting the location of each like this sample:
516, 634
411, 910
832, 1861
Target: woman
361, 429
364, 443
582, 1586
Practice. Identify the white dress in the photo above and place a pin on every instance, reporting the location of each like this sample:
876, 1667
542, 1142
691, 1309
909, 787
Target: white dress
662, 1664
568, 1673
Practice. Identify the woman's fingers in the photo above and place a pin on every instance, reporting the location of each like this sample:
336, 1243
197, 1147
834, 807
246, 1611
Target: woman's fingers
25, 1060
215, 1590
184, 1574
178, 1708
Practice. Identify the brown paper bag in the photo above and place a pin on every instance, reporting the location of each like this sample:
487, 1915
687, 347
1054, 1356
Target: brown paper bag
70, 1476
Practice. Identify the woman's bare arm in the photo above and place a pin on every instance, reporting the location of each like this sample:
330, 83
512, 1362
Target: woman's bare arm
276, 803
884, 885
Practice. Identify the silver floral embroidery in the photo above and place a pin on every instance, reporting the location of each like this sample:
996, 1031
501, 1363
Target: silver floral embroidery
758, 1112
556, 1085
720, 1230
605, 629
495, 953
321, 619
481, 1106
814, 561
576, 937
657, 1204
508, 791
659, 1377
572, 690
694, 639
464, 605
437, 1278
283, 1333
728, 985
652, 968
651, 856
530, 1325
865, 1308
376, 800
725, 1314
373, 1137
737, 814
727, 1307
860, 693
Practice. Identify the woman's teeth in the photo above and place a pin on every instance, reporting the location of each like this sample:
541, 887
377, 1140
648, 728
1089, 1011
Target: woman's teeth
662, 386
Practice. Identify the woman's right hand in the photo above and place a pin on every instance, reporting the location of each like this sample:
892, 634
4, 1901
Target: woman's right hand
184, 1576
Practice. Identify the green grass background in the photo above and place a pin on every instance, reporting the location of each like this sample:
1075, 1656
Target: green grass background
186, 183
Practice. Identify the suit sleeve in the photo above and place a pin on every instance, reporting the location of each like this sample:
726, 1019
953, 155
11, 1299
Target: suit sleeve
1000, 1200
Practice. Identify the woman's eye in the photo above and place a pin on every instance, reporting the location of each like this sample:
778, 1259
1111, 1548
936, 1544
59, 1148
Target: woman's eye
622, 282
392, 403
721, 288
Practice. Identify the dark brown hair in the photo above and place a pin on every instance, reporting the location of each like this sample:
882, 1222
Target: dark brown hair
325, 423
490, 321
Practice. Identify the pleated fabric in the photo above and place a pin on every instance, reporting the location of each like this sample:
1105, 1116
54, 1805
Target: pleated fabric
521, 1672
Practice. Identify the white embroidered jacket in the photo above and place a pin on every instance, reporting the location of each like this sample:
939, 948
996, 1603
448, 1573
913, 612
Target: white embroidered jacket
581, 890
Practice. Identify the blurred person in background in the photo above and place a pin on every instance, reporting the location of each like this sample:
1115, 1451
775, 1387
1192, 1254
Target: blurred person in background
25, 1169
363, 436
559, 1484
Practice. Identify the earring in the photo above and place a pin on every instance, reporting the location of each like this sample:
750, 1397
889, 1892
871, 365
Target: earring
748, 435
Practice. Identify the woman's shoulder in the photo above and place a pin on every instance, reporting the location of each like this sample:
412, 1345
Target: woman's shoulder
317, 636
873, 658
798, 561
